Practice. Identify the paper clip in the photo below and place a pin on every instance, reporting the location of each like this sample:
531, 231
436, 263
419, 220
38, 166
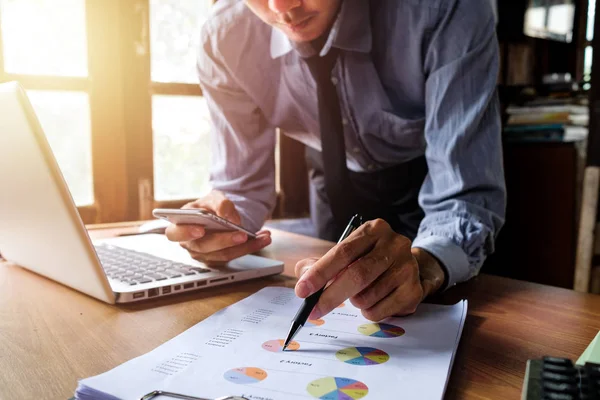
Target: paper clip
152, 395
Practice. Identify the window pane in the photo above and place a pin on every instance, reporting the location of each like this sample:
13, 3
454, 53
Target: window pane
535, 18
181, 126
587, 63
174, 34
44, 37
590, 20
560, 20
65, 119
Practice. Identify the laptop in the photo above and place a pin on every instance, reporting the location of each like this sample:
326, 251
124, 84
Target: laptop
41, 230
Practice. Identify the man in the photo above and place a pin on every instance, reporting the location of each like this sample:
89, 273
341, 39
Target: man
408, 94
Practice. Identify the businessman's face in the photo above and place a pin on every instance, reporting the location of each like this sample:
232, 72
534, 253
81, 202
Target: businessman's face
300, 20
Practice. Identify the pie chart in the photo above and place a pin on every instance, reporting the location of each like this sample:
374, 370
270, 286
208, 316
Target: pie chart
244, 376
314, 322
362, 356
337, 389
277, 345
381, 330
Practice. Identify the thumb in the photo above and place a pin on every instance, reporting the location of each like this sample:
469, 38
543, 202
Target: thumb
225, 208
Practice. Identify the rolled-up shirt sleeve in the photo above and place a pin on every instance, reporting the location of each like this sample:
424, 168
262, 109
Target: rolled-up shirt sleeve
242, 142
463, 195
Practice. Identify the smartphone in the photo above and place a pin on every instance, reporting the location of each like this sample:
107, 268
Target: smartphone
195, 216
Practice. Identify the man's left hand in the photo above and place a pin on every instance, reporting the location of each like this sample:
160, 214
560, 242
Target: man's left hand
376, 269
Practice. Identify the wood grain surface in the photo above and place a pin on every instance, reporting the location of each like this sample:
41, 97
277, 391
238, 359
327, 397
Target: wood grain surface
52, 336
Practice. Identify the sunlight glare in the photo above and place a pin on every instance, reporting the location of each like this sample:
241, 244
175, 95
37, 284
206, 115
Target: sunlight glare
44, 37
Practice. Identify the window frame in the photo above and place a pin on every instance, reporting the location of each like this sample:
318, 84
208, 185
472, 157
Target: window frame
120, 89
140, 180
292, 198
105, 132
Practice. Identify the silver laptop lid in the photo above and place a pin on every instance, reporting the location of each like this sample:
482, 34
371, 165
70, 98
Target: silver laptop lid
40, 228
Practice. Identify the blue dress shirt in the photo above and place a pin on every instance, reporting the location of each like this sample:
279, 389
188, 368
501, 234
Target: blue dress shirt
414, 77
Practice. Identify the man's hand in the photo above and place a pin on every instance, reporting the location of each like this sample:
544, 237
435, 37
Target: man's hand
376, 269
216, 248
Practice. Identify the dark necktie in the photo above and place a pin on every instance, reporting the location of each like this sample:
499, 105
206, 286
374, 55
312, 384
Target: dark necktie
337, 182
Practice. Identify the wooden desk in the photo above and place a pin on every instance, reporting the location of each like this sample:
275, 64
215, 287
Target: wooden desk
51, 336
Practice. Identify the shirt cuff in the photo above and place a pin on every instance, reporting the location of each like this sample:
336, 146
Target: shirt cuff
452, 257
249, 223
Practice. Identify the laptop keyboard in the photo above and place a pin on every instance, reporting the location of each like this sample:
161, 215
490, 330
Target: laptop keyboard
133, 267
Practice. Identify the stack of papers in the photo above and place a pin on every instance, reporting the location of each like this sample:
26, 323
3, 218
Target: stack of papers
591, 353
342, 356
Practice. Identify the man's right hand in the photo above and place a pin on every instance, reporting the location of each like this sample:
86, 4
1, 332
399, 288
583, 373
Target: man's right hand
216, 248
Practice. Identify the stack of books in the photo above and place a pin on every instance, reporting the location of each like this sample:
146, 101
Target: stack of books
547, 119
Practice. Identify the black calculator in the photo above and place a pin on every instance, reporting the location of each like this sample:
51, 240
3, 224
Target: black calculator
553, 378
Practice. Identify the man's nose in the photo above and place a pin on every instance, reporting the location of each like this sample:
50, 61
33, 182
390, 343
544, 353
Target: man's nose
283, 6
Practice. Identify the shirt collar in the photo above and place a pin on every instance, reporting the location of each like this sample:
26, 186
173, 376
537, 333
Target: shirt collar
350, 31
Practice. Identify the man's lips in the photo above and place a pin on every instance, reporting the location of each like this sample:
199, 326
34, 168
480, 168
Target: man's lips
298, 25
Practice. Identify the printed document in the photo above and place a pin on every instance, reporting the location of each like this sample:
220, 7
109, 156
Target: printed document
341, 356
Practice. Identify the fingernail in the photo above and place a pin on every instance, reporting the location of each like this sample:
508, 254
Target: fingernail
239, 237
197, 232
303, 289
315, 313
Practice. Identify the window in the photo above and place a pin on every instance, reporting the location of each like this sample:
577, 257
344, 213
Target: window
65, 117
591, 15
54, 31
114, 86
181, 154
180, 120
50, 30
174, 27
587, 45
121, 107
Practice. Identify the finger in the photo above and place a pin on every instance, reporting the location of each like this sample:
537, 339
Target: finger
184, 233
385, 284
217, 203
304, 265
340, 256
223, 207
193, 204
211, 264
231, 253
216, 241
402, 301
226, 209
354, 279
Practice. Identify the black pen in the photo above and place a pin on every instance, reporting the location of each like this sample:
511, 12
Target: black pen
312, 300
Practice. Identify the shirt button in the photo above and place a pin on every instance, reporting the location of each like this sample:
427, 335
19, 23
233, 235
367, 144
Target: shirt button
356, 150
371, 167
334, 80
344, 121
